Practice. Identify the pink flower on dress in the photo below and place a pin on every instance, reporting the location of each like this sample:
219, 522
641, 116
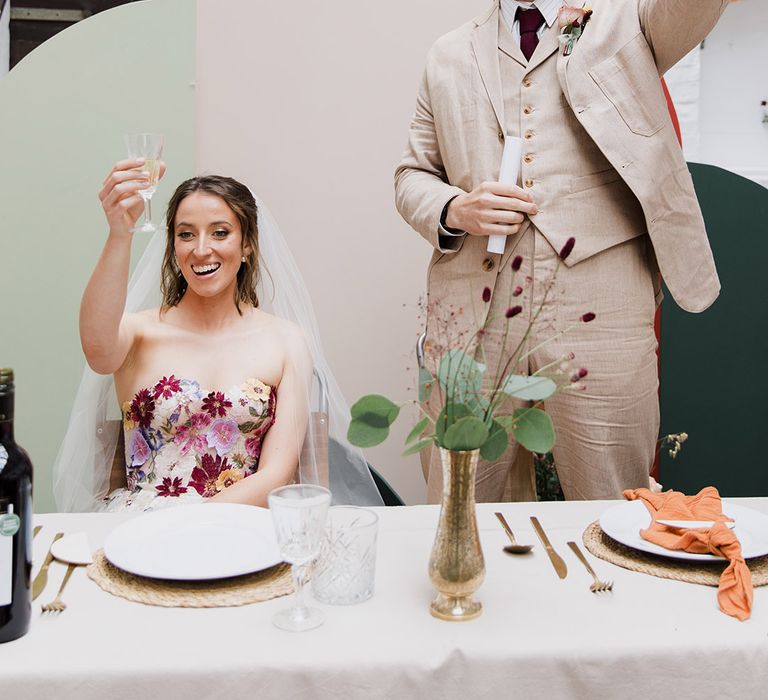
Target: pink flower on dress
223, 435
142, 408
200, 421
191, 436
138, 449
200, 444
166, 387
183, 438
253, 447
216, 404
205, 476
171, 487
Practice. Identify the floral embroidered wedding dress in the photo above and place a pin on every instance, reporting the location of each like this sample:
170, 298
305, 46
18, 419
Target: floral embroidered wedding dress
184, 443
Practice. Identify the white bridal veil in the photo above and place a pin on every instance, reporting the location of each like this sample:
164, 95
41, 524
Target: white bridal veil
81, 472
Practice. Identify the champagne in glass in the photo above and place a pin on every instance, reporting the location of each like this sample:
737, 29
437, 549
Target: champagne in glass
298, 512
150, 148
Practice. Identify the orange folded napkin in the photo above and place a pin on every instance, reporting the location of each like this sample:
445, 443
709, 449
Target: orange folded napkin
734, 592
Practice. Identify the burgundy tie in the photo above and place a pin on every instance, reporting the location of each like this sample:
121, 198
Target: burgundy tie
530, 21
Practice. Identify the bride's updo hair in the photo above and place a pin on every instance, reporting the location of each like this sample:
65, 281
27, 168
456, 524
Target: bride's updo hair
240, 200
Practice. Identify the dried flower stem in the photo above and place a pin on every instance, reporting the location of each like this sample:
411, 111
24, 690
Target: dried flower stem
517, 356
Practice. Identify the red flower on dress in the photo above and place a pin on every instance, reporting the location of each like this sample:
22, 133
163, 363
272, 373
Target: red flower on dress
216, 404
205, 476
142, 408
271, 407
171, 487
253, 447
166, 387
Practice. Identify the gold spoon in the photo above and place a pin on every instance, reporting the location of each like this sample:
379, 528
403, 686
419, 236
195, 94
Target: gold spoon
513, 548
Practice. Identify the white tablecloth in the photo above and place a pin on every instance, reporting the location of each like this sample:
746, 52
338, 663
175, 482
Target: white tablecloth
538, 636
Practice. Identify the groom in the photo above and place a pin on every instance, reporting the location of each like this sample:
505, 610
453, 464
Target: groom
601, 163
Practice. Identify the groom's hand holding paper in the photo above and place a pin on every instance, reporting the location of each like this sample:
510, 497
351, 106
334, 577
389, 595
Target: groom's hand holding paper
493, 209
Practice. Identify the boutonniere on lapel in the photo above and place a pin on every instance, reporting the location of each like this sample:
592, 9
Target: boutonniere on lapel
571, 21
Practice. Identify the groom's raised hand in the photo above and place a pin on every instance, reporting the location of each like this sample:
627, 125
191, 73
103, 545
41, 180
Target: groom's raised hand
491, 208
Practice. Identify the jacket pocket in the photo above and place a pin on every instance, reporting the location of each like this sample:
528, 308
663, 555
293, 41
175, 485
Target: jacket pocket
631, 81
587, 182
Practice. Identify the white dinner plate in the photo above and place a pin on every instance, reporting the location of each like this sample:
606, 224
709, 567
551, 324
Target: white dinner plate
624, 521
195, 542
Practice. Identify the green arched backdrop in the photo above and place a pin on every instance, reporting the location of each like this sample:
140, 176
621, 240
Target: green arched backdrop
714, 379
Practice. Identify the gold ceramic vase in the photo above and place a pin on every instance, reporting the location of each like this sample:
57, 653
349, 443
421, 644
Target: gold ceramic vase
457, 567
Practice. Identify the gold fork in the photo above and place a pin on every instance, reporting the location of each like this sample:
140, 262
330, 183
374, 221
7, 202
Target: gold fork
57, 604
598, 586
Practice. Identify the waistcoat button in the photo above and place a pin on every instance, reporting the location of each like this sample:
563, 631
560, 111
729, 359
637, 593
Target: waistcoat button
488, 264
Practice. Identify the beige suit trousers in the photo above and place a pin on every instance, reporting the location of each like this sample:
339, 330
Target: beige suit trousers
606, 432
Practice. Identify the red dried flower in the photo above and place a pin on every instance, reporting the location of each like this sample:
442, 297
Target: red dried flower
142, 408
517, 262
170, 487
166, 387
578, 374
565, 251
205, 476
487, 294
513, 311
517, 291
587, 317
216, 404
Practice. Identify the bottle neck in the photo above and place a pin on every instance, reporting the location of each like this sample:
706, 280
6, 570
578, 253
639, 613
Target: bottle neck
6, 417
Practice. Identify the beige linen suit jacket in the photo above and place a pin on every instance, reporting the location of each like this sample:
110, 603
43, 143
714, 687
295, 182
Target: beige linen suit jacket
611, 82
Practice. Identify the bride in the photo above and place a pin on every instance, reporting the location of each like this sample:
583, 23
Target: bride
214, 392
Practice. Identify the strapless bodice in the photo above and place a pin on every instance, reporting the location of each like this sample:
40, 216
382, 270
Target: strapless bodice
186, 442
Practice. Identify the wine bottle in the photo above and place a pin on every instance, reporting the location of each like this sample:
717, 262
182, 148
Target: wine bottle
15, 522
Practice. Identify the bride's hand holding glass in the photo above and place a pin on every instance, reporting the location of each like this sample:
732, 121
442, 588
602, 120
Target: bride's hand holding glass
119, 195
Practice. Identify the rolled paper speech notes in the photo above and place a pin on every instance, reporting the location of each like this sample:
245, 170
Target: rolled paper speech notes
508, 174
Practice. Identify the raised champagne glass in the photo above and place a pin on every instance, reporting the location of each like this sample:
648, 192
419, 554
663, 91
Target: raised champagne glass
148, 147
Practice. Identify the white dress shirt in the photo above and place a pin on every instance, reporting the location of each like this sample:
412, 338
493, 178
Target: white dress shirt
548, 8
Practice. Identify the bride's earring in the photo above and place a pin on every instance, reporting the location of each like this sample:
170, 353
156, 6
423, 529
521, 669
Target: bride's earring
243, 259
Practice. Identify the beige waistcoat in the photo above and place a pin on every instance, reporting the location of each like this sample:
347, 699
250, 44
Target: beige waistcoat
578, 191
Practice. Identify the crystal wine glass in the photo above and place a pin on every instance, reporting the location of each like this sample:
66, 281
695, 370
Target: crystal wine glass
298, 512
150, 148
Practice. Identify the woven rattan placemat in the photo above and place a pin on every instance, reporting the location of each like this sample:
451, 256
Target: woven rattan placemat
705, 573
218, 593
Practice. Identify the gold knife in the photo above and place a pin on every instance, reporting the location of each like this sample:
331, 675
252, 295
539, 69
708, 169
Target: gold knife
38, 585
36, 530
554, 557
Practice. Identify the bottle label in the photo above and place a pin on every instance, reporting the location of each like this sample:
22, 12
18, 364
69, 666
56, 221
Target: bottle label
3, 458
9, 524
